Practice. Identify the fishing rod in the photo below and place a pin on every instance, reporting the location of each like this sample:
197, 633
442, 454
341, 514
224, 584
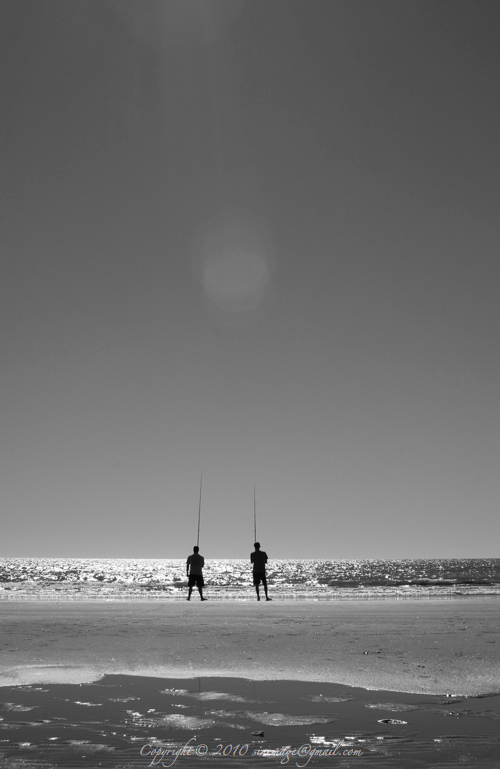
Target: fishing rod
254, 518
199, 512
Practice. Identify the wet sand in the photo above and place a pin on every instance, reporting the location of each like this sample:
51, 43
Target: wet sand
122, 722
422, 646
87, 684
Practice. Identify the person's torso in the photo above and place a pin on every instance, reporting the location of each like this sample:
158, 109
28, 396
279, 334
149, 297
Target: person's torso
196, 563
259, 560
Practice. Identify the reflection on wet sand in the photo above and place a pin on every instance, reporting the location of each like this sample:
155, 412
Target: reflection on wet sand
127, 721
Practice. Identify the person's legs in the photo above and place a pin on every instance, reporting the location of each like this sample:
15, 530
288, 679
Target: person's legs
200, 588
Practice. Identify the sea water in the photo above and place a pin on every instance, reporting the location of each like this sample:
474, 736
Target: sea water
113, 578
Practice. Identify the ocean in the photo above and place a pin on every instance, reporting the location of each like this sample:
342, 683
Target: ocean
112, 578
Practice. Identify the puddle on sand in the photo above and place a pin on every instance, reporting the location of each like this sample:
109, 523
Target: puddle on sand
122, 722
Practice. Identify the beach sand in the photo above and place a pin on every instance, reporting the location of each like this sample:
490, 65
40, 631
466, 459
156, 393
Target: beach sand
409, 683
438, 647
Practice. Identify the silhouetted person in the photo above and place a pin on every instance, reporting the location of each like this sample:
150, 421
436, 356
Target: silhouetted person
259, 560
194, 571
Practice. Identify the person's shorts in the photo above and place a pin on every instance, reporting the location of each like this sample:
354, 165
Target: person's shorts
258, 577
196, 580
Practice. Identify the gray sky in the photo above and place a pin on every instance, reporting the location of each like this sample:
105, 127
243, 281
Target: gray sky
259, 239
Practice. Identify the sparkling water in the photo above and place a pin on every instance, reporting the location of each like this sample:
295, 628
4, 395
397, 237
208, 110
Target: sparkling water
88, 578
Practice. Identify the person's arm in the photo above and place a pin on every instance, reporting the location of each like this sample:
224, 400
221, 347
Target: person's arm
252, 557
187, 567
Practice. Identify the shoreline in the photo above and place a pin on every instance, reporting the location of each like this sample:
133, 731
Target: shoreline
243, 598
412, 645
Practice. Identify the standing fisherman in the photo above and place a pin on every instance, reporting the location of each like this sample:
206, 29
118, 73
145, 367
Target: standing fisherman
259, 560
196, 562
194, 571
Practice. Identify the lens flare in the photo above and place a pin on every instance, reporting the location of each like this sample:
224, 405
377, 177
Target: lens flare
234, 263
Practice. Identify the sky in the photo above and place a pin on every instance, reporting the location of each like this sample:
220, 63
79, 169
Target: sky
258, 240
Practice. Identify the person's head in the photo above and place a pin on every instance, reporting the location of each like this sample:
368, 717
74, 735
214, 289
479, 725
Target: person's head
257, 545
196, 549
